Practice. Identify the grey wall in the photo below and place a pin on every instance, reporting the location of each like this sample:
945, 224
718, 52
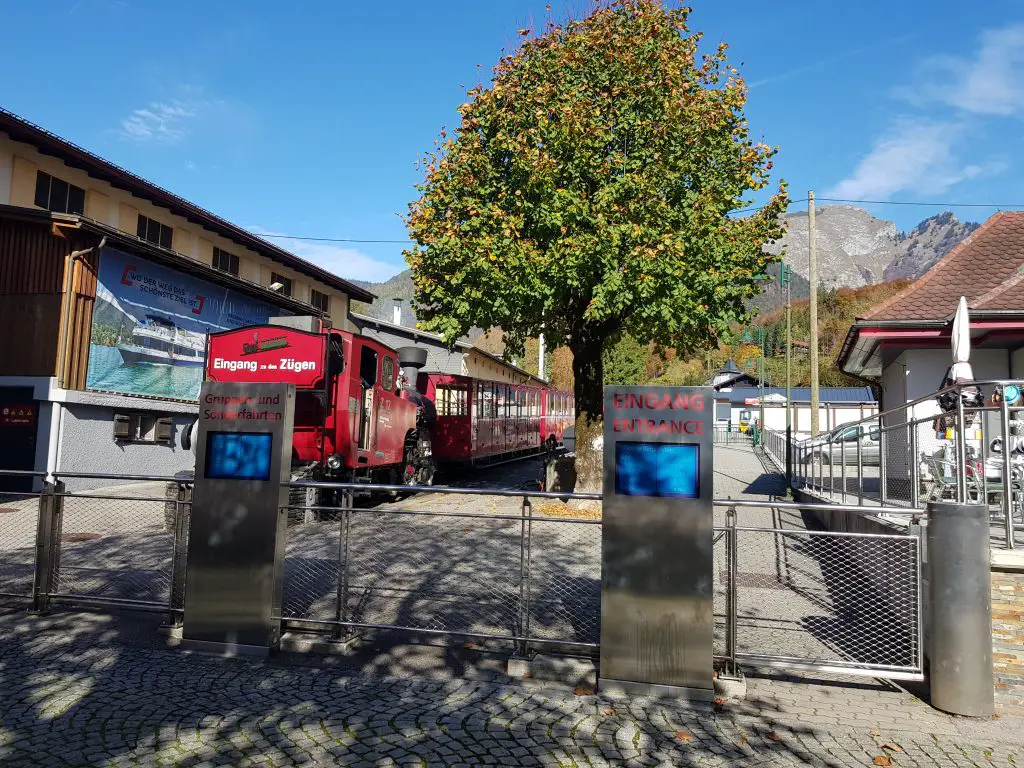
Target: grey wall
439, 359
87, 445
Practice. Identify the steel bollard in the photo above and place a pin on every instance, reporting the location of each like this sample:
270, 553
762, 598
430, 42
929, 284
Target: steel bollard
960, 601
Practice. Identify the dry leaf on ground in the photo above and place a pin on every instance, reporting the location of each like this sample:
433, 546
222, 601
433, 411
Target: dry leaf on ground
773, 736
883, 760
892, 747
684, 737
583, 690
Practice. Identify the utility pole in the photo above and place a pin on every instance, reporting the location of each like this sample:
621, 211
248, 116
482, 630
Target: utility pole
760, 381
786, 279
813, 276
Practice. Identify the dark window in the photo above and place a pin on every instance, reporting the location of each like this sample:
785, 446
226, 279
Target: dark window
225, 262
388, 373
286, 282
155, 232
319, 300
57, 195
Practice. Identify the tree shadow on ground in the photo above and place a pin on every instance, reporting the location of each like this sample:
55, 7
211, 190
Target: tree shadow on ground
91, 689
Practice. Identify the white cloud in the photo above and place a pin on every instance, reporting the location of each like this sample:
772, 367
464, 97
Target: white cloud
990, 83
915, 155
348, 263
160, 122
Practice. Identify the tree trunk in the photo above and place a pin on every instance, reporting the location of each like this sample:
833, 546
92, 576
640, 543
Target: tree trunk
588, 373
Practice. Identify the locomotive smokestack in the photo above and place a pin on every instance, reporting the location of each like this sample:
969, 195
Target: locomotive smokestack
397, 312
411, 359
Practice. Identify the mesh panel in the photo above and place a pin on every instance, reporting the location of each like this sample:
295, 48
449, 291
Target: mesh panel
439, 573
565, 581
117, 548
311, 571
19, 515
824, 597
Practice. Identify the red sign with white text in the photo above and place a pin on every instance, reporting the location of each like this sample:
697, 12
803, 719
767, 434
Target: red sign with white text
267, 353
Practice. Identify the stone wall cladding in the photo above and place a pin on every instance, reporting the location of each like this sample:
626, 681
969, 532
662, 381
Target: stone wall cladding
1008, 641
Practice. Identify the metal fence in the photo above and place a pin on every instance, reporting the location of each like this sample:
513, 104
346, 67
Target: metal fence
727, 434
908, 456
511, 573
786, 593
796, 596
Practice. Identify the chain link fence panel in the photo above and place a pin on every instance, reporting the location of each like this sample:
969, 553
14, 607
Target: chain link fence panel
117, 545
19, 520
840, 599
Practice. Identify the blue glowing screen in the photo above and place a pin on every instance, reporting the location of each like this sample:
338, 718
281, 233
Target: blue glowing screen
657, 469
238, 455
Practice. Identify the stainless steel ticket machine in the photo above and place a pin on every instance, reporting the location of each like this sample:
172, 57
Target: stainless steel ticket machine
657, 551
237, 528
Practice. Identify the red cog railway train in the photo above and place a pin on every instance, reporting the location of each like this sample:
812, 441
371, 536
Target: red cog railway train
367, 413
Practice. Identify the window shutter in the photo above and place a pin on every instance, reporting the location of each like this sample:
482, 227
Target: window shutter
164, 430
122, 426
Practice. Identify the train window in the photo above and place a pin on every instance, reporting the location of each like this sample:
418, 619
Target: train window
450, 400
368, 366
388, 373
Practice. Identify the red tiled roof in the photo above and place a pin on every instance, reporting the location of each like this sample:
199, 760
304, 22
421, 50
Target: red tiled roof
987, 268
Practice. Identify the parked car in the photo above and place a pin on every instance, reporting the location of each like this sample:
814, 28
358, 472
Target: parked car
840, 447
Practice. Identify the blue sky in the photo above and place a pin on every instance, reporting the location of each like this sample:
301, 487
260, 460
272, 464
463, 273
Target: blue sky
308, 118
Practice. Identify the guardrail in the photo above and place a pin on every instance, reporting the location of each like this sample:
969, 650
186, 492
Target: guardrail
786, 594
908, 456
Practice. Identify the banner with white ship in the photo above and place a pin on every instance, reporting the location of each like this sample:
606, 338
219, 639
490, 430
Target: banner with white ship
150, 323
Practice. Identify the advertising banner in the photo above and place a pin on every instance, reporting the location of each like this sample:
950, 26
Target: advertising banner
268, 354
149, 327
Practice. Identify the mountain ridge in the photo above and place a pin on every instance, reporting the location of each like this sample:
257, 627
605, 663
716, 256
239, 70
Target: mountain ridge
854, 249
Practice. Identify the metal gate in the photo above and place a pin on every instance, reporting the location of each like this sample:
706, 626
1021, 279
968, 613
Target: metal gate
522, 567
420, 565
791, 595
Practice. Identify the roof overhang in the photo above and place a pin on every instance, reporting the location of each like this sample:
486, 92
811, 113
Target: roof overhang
869, 344
74, 156
94, 232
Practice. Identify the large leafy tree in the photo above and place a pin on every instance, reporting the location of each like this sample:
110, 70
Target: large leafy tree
587, 192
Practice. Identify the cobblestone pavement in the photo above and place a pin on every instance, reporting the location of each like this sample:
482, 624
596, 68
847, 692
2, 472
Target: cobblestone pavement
88, 690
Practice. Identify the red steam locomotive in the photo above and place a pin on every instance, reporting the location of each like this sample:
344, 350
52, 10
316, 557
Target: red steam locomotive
367, 413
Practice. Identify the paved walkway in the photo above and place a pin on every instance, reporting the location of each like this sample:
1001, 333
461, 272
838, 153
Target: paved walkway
83, 689
91, 690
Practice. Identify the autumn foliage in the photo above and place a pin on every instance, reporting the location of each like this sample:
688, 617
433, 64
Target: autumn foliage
586, 193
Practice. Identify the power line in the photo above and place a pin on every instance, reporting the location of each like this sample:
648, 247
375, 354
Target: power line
331, 239
999, 206
915, 202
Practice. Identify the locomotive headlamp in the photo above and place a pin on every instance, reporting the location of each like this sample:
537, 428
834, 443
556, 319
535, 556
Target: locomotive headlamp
334, 461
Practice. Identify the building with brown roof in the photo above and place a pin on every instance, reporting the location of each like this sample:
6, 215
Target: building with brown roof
108, 286
904, 342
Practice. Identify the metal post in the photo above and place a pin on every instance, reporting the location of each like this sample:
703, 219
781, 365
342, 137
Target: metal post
960, 601
860, 471
831, 469
179, 554
47, 546
731, 608
521, 629
960, 443
339, 593
883, 465
527, 588
842, 466
915, 469
1004, 417
346, 568
789, 378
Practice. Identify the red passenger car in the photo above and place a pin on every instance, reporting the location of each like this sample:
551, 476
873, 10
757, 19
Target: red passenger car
480, 421
559, 413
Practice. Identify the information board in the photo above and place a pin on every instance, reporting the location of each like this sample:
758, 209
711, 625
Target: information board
237, 528
656, 550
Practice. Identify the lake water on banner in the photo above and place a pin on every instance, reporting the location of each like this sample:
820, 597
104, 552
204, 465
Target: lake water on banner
109, 373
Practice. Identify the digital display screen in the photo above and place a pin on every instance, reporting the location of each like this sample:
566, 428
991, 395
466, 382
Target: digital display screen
657, 469
238, 455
